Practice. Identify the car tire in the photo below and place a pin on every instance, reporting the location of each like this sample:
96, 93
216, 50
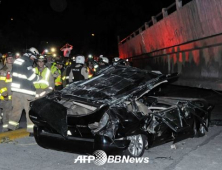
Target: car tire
137, 146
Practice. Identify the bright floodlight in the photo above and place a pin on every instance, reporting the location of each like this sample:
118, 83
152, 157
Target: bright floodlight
54, 55
46, 50
17, 54
53, 49
90, 56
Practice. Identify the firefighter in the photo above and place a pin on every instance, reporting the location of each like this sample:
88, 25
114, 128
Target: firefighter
57, 70
120, 61
95, 66
5, 90
50, 60
65, 75
78, 70
103, 62
68, 64
46, 84
127, 63
115, 60
69, 61
23, 90
90, 67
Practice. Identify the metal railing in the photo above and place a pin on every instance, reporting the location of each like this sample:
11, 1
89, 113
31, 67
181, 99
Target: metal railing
165, 12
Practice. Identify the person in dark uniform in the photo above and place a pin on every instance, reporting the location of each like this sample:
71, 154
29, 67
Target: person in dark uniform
78, 70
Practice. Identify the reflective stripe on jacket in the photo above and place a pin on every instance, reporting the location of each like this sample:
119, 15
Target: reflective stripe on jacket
23, 76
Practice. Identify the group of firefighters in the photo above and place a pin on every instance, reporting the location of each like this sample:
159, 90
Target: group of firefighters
32, 76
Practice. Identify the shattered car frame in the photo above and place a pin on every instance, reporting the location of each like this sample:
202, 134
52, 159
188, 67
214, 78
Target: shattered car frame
116, 112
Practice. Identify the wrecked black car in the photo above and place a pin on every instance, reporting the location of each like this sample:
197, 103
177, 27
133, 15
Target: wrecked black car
116, 111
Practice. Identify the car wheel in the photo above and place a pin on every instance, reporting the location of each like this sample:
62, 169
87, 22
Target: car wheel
137, 145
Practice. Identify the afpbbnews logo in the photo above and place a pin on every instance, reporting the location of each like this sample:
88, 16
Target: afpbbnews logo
126, 159
99, 157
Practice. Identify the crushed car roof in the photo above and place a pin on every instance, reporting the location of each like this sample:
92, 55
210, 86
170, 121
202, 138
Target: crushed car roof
115, 84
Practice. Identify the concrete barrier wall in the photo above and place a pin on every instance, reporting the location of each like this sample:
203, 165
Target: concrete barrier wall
188, 41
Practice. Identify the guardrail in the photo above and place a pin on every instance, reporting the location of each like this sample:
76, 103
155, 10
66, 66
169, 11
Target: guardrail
154, 19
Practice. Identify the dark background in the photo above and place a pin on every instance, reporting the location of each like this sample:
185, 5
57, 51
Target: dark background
46, 23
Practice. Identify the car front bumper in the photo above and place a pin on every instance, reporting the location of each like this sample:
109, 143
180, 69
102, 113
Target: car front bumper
77, 144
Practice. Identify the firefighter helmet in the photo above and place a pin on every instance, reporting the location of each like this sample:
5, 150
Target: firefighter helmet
115, 59
80, 59
41, 58
60, 62
105, 60
9, 54
33, 51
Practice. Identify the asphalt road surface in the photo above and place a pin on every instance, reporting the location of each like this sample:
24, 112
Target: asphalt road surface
194, 154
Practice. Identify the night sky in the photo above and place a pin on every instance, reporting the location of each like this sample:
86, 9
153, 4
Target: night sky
42, 23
